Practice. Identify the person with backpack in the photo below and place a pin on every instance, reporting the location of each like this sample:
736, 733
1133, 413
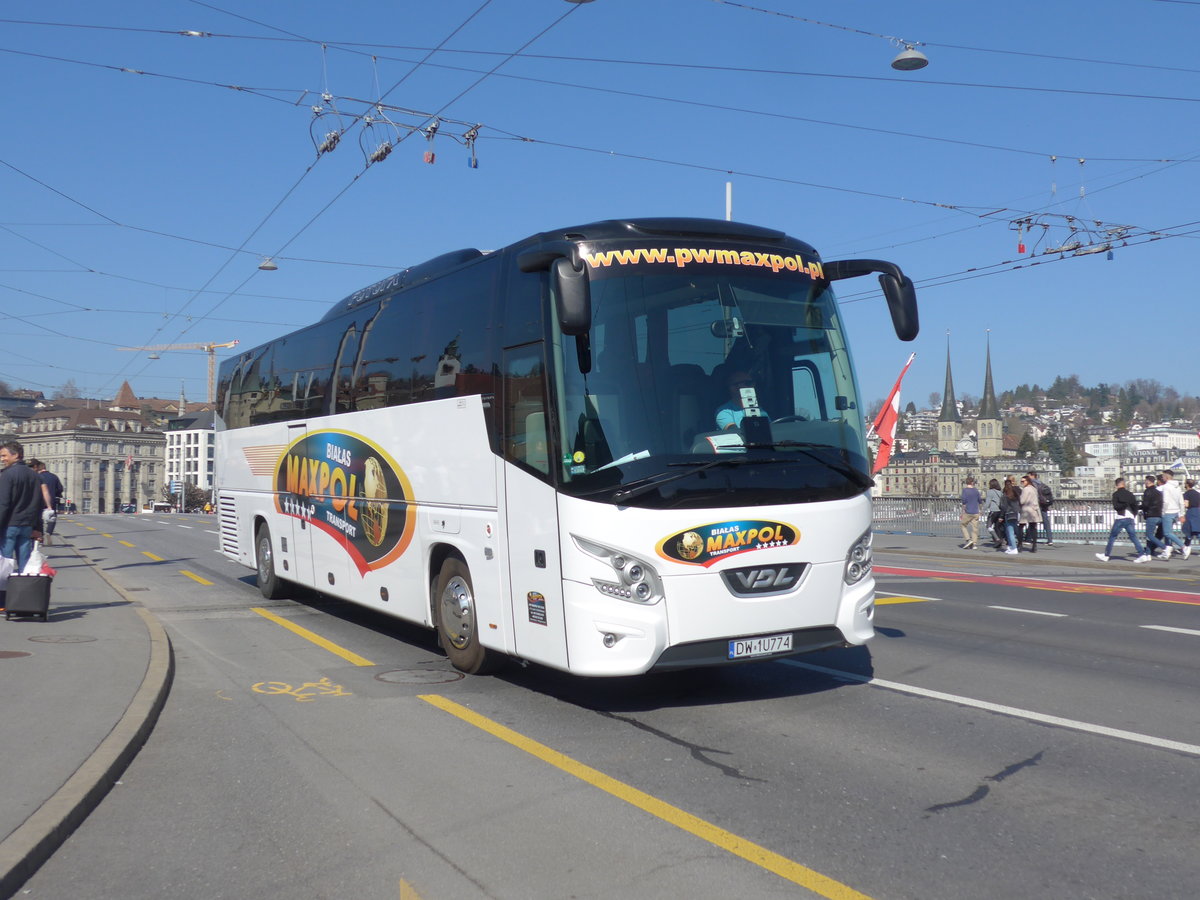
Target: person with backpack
1126, 506
1045, 501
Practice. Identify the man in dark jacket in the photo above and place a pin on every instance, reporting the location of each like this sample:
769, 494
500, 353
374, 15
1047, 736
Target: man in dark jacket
1152, 510
21, 504
1126, 506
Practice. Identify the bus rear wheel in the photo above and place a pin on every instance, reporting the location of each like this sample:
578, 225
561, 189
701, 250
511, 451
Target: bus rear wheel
270, 585
458, 621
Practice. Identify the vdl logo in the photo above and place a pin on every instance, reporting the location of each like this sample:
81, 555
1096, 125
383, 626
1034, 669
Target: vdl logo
763, 581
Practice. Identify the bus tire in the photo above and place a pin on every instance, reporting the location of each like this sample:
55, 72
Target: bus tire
270, 585
458, 621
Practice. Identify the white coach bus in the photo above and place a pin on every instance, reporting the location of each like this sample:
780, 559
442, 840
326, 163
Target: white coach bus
624, 446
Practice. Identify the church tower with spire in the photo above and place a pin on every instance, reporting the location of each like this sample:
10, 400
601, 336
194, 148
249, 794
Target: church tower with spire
950, 424
989, 428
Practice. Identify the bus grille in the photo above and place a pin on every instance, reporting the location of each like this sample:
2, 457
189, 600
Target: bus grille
227, 513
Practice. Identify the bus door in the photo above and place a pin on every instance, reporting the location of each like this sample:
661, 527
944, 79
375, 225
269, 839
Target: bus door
295, 531
531, 512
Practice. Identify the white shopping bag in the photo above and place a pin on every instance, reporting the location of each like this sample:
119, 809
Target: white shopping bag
36, 561
6, 568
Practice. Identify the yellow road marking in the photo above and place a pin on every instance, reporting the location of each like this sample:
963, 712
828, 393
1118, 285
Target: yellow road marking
152, 556
760, 856
888, 601
194, 576
407, 892
103, 534
126, 543
333, 648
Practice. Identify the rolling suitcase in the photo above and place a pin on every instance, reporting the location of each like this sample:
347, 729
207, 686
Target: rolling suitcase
28, 595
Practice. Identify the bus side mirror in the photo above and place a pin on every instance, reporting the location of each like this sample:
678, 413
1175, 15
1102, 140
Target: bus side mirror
573, 299
897, 288
902, 304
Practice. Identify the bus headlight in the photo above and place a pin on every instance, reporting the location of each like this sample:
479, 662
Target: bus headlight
632, 579
858, 560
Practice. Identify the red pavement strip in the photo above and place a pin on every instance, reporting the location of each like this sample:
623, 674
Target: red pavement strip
1042, 584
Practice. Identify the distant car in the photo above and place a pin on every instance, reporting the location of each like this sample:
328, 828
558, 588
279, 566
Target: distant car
128, 508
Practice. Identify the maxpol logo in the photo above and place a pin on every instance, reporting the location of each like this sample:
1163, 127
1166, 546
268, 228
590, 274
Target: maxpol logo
349, 488
706, 544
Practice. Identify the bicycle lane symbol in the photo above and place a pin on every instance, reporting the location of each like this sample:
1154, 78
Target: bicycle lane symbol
310, 690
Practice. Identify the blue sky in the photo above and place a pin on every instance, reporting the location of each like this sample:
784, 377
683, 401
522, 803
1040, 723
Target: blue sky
135, 208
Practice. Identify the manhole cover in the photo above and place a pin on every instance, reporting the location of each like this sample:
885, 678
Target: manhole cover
13, 654
418, 676
62, 638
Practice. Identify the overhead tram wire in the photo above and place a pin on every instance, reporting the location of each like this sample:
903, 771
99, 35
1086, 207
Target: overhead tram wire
260, 92
1051, 56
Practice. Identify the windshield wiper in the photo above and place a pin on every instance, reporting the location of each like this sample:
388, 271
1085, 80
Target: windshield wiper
805, 447
646, 485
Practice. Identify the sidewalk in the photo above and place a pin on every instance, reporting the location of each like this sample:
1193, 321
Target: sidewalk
81, 694
1071, 554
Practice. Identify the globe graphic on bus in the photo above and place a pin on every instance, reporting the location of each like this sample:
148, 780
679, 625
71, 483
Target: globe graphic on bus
374, 508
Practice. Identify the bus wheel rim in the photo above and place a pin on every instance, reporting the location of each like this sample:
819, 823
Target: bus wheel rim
264, 558
458, 612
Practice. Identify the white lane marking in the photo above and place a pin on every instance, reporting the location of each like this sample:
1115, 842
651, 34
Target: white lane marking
189, 527
1169, 628
1088, 727
1032, 612
207, 531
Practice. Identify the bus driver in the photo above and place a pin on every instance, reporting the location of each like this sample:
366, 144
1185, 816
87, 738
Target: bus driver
731, 413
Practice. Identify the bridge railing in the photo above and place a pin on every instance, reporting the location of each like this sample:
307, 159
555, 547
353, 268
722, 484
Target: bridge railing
1083, 521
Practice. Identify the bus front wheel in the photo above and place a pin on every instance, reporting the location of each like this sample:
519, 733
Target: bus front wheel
270, 585
458, 621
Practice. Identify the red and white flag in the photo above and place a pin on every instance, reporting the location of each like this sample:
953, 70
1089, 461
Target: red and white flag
129, 462
885, 423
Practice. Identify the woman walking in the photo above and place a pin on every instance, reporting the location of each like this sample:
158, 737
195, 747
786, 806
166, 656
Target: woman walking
1031, 513
991, 513
1010, 512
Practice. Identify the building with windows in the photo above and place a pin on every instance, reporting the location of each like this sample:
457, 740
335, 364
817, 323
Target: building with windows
191, 450
105, 458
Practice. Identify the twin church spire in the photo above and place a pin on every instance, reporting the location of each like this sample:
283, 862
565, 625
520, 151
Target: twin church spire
989, 430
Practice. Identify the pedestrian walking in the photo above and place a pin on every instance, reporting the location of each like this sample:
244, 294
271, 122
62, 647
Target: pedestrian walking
1031, 512
1172, 509
993, 521
52, 491
972, 499
1126, 506
1045, 501
1191, 515
21, 504
1010, 512
1152, 503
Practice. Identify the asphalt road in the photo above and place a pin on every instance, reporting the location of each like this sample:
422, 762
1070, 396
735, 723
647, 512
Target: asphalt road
999, 739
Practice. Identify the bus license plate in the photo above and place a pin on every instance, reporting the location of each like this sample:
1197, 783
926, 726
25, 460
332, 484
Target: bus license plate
760, 646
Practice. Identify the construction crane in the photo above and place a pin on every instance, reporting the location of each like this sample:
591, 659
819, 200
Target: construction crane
210, 349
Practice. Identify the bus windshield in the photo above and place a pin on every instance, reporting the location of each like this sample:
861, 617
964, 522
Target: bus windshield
703, 385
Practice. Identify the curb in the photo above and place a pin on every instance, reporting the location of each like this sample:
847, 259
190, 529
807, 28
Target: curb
1033, 559
24, 851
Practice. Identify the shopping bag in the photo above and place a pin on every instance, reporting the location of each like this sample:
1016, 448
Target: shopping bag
6, 568
36, 561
